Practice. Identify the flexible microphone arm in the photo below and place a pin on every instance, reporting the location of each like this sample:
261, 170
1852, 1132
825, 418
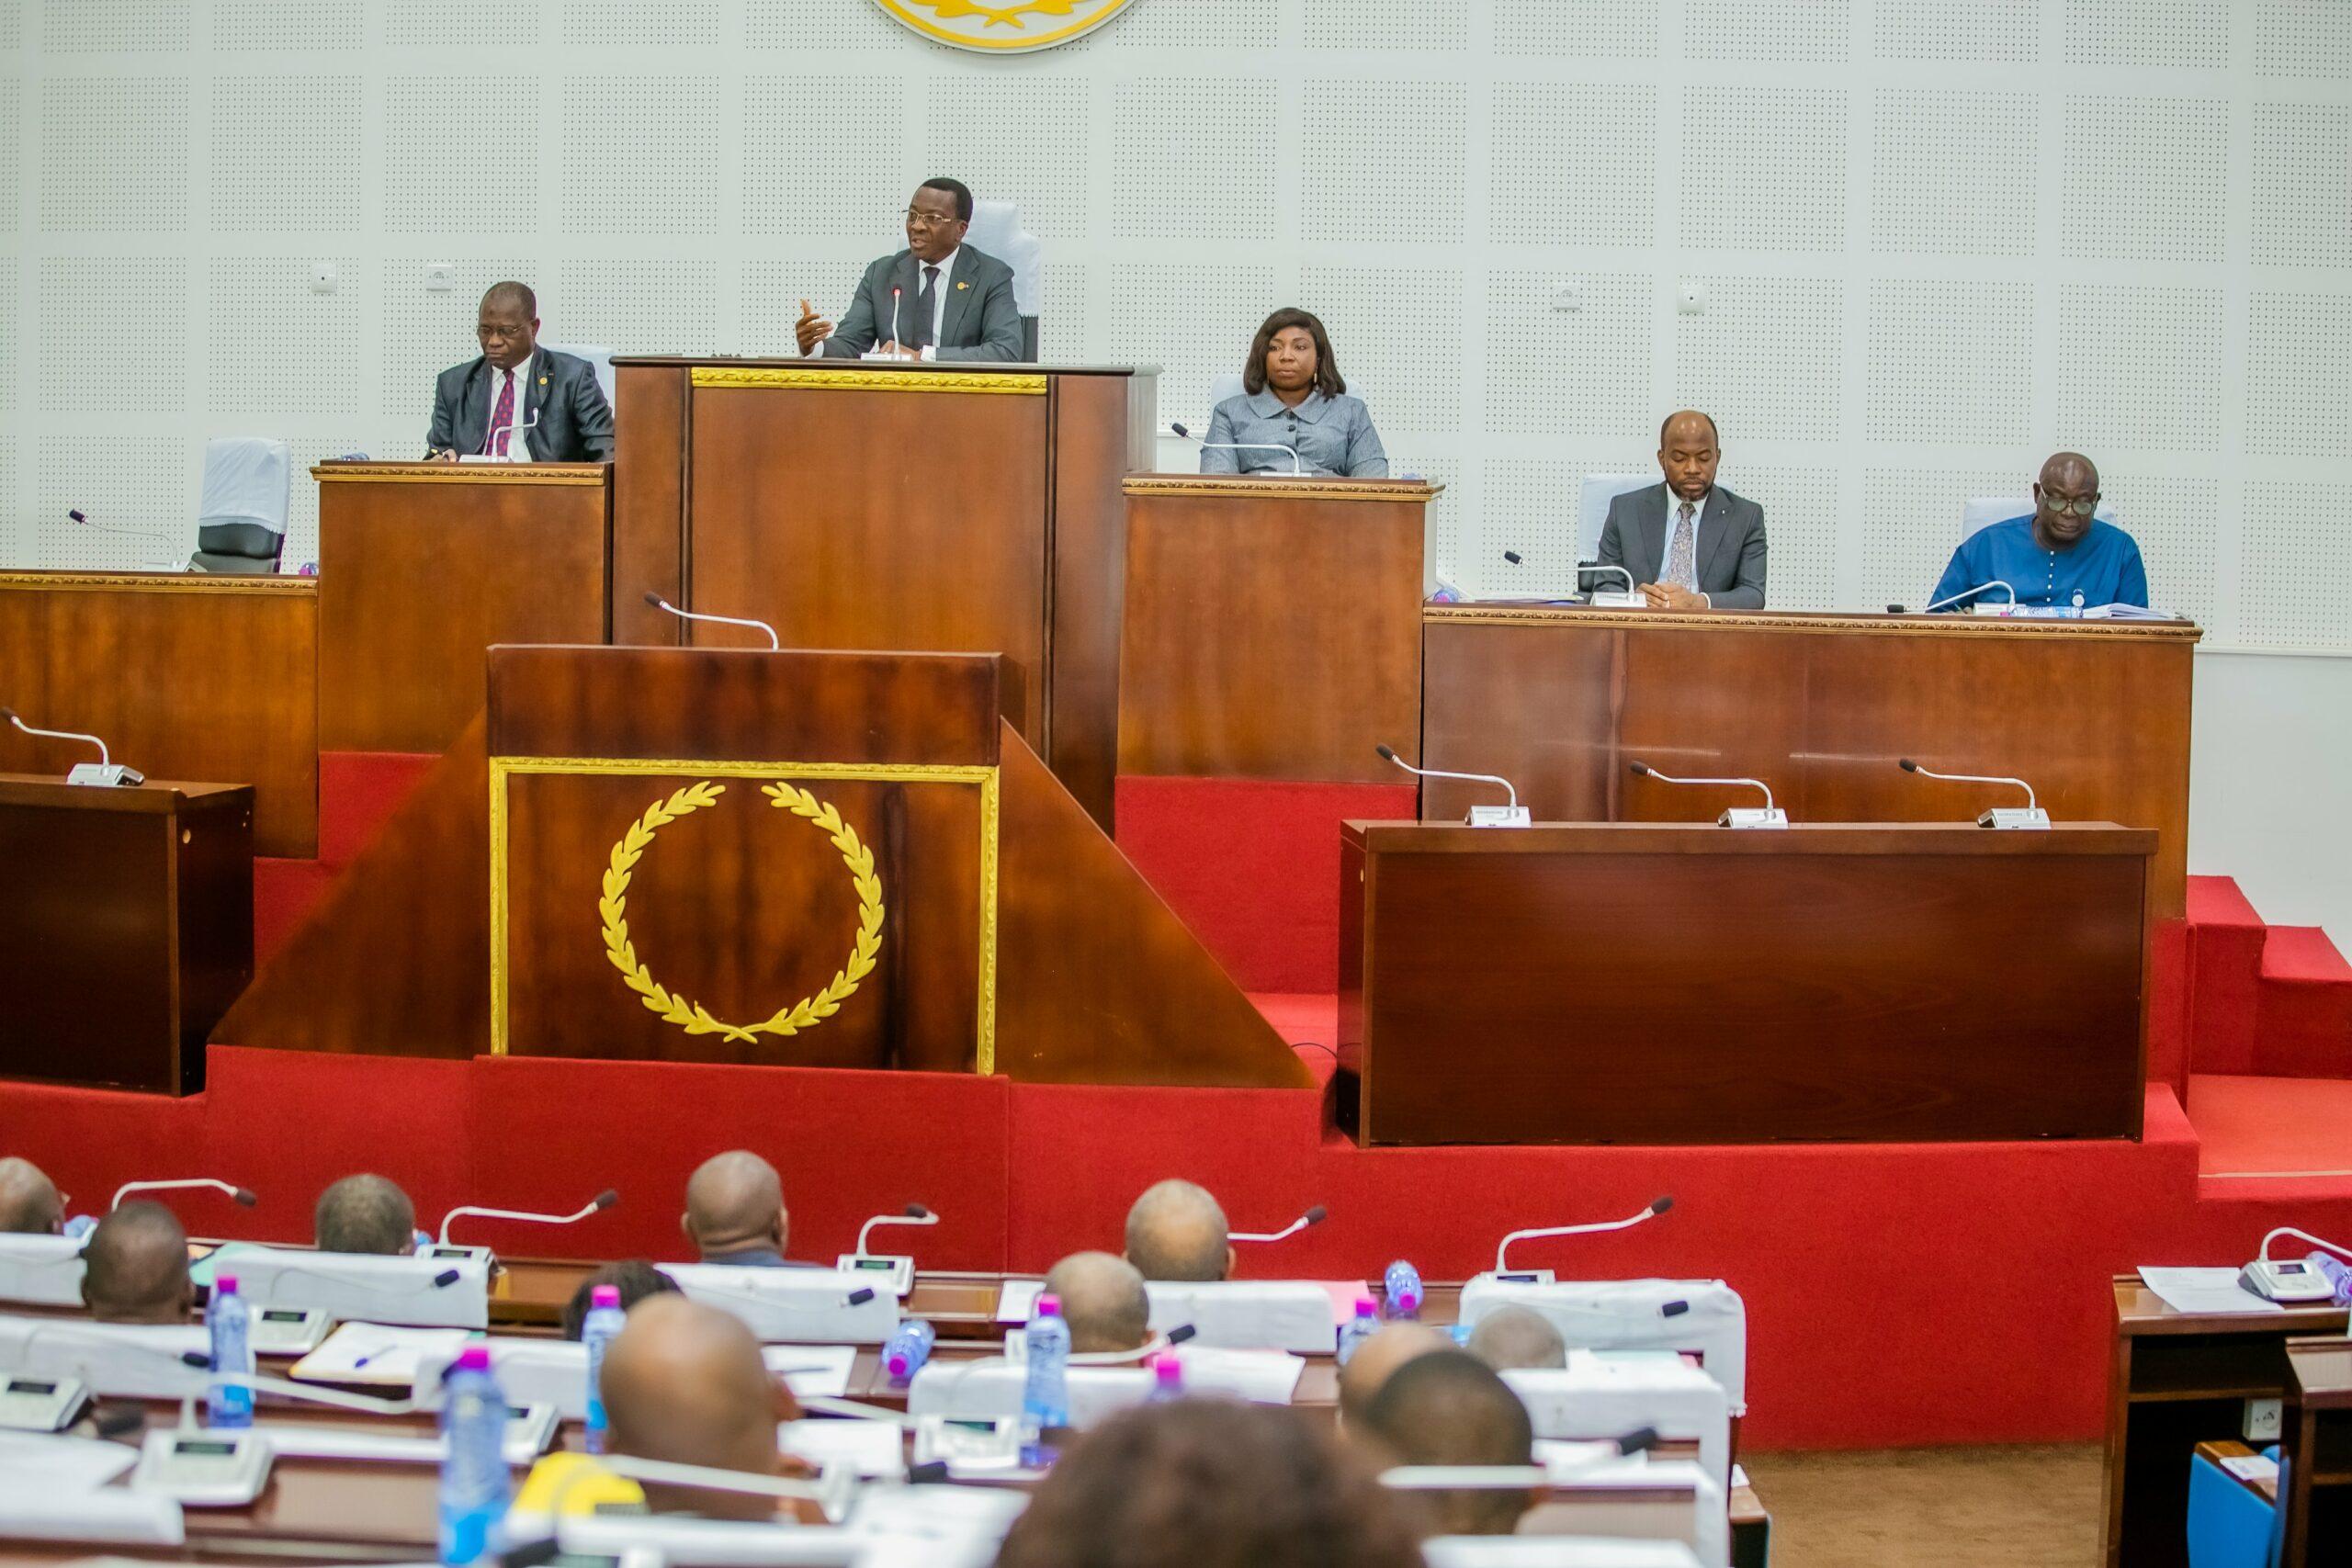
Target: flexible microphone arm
894, 312
1657, 1206
1630, 586
17, 720
912, 1214
1909, 766
661, 604
2306, 1235
1313, 1216
1159, 1344
1971, 593
1297, 468
78, 515
597, 1204
201, 1361
441, 1281
527, 426
1390, 754
241, 1196
1649, 773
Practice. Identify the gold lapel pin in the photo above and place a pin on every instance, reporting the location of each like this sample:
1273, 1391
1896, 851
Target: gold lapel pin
961, 285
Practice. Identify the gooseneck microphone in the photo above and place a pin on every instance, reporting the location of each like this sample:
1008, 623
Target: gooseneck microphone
513, 429
243, 1196
596, 1205
1313, 1216
661, 604
104, 771
1971, 593
894, 312
2030, 815
1657, 1206
1511, 815
173, 559
912, 1214
1297, 468
1768, 816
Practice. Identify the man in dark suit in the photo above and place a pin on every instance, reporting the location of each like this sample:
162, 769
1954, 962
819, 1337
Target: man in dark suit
519, 400
1706, 552
952, 302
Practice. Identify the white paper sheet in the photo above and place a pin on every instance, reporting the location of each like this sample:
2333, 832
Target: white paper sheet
2204, 1289
812, 1371
872, 1448
374, 1353
2252, 1467
44, 1460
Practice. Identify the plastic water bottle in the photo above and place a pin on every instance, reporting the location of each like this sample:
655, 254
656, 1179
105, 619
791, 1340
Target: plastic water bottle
909, 1348
2333, 1268
78, 1228
596, 1330
1167, 1379
229, 1405
1402, 1286
1044, 1398
1365, 1323
473, 1469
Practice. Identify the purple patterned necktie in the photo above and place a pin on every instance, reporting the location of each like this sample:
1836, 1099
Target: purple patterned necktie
502, 418
1678, 553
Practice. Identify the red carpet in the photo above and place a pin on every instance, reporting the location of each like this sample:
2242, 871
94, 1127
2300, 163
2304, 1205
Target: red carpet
2272, 1126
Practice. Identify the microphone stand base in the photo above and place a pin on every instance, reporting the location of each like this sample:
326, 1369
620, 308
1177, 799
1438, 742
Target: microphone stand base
1753, 816
108, 775
2014, 817
1499, 817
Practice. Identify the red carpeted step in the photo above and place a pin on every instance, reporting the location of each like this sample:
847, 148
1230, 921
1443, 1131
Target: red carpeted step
284, 891
357, 791
2225, 939
2303, 1009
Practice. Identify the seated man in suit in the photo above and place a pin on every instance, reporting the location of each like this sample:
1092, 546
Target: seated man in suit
1710, 554
684, 1383
364, 1213
735, 1212
29, 1201
1102, 1301
518, 400
1177, 1232
954, 302
2060, 555
134, 1268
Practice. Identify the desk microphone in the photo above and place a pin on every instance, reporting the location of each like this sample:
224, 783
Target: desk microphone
241, 1196
510, 428
596, 1205
661, 604
173, 561
1968, 593
912, 1214
894, 312
1313, 1216
1295, 467
104, 771
1589, 575
1657, 1206
1511, 815
441, 1281
2031, 815
1770, 816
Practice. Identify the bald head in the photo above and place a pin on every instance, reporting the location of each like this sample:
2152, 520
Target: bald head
364, 1213
734, 1203
1513, 1337
29, 1201
1102, 1301
1376, 1361
1450, 1408
684, 1384
1177, 1232
134, 1266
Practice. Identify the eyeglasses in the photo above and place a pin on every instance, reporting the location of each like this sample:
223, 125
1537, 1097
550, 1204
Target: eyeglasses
2079, 506
918, 218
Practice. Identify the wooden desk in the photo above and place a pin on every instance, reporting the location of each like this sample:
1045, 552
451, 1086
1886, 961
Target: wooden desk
939, 509
2316, 1448
1273, 626
131, 912
2178, 1379
184, 676
1624, 983
422, 566
1821, 707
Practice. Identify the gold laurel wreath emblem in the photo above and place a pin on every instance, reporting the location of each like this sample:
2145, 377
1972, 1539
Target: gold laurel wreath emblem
690, 1015
999, 15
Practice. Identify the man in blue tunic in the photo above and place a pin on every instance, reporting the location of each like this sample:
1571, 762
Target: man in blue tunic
2061, 554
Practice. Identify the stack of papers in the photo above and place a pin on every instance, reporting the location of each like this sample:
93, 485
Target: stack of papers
2204, 1291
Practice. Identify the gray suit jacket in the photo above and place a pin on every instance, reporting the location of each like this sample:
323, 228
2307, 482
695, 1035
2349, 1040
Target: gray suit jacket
575, 423
1730, 544
981, 323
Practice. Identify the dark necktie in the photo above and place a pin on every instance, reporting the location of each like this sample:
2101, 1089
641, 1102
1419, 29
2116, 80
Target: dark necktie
926, 298
502, 418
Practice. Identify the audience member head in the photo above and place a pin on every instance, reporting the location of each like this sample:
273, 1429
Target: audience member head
29, 1201
364, 1213
507, 326
134, 1266
1377, 1359
1451, 1408
684, 1384
1517, 1336
1176, 1231
1688, 453
1102, 1301
2065, 496
634, 1279
735, 1204
1210, 1484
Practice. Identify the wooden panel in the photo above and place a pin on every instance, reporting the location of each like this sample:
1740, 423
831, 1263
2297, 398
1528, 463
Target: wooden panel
1694, 985
188, 677
1096, 423
898, 520
648, 501
422, 566
1273, 630
2095, 714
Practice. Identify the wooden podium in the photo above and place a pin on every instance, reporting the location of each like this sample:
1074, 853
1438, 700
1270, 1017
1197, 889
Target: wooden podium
1627, 983
1272, 627
128, 917
422, 566
952, 509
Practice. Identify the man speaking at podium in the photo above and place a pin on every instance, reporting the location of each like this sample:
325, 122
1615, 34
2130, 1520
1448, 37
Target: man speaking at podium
519, 402
951, 302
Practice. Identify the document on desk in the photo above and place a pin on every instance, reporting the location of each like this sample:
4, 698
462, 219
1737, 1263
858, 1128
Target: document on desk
56, 1463
2204, 1291
374, 1353
812, 1371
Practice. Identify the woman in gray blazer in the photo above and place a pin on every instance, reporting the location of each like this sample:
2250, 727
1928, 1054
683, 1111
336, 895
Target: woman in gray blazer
1293, 396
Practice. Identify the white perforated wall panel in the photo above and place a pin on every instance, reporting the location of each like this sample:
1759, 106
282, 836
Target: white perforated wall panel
426, 333
2194, 33
115, 26
2146, 178
2296, 342
1767, 360
1907, 525
114, 337
1958, 32
1951, 364
635, 24
1577, 163
2139, 369
2177, 523
1365, 139
435, 23
2303, 37
310, 27
1416, 30
1953, 173
1554, 374
2295, 578
445, 172
1196, 157
286, 154
12, 32
272, 347
641, 156
1763, 168
2303, 184
1576, 29
1758, 31
114, 154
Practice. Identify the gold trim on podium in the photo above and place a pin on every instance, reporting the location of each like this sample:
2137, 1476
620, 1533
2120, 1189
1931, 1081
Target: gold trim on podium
462, 473
1301, 487
847, 379
160, 582
1810, 625
985, 778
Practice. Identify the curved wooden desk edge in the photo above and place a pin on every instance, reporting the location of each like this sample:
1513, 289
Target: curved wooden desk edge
158, 582
464, 473
1813, 621
1302, 487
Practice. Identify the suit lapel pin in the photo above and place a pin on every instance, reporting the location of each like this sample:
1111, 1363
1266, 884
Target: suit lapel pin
960, 283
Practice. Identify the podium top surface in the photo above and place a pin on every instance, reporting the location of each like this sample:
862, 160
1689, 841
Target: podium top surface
1814, 623
158, 582
465, 473
158, 797
1281, 487
1705, 838
879, 367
